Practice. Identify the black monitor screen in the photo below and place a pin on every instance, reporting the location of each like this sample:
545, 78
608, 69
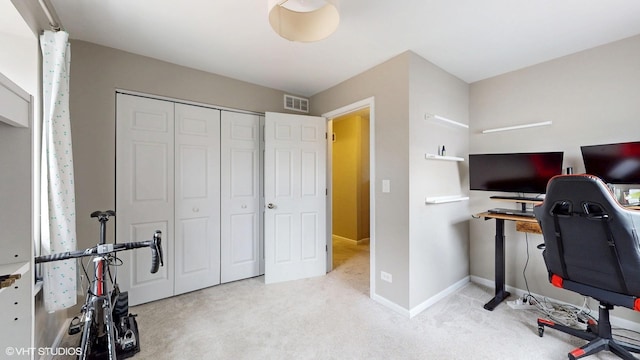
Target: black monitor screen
613, 163
520, 173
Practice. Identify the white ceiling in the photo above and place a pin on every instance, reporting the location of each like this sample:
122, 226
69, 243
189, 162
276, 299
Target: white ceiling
471, 39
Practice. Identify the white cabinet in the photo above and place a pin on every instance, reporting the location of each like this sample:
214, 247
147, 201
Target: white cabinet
172, 174
16, 307
16, 104
16, 246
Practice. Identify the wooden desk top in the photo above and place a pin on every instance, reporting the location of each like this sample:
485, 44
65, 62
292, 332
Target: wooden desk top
526, 224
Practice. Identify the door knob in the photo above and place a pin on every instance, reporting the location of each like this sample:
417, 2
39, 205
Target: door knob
271, 206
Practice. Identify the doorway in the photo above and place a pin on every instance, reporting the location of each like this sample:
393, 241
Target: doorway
364, 110
350, 185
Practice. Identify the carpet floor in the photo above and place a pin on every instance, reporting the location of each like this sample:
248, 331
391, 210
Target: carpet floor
332, 317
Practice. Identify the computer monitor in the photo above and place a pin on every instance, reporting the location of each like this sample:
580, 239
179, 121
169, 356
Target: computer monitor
514, 172
613, 163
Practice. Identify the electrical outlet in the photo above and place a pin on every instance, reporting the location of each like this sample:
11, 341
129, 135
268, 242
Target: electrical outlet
386, 276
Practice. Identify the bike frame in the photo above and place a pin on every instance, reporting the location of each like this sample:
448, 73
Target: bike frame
99, 303
97, 311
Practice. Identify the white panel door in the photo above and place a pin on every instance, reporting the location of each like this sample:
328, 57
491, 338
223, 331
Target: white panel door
240, 196
144, 193
295, 197
197, 198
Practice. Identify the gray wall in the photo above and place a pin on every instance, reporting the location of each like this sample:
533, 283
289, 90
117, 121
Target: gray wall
389, 84
96, 73
424, 247
592, 97
439, 234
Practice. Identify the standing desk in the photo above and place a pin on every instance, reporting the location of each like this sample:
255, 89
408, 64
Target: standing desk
523, 224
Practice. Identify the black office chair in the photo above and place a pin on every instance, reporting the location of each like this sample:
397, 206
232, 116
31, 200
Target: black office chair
592, 248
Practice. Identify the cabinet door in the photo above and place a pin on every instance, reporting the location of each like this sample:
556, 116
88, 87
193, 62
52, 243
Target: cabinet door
144, 193
15, 194
15, 314
197, 194
240, 196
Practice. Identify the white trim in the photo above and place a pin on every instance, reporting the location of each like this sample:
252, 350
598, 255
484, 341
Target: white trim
424, 305
58, 340
391, 305
358, 105
437, 297
370, 103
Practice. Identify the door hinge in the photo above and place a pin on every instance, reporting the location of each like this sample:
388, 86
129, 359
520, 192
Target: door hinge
326, 192
326, 136
326, 248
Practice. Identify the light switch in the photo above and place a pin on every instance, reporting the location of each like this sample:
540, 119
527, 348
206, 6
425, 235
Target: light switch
386, 186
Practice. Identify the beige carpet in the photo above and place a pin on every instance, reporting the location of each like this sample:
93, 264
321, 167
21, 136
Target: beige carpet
332, 317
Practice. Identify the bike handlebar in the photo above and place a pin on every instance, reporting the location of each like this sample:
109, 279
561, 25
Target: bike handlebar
155, 245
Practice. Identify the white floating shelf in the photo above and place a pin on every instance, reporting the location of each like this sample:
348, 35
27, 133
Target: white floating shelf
448, 121
517, 127
445, 199
439, 157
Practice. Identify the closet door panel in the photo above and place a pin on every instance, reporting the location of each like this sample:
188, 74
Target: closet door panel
240, 191
197, 197
144, 193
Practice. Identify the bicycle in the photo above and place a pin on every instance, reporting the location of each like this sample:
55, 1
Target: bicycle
108, 330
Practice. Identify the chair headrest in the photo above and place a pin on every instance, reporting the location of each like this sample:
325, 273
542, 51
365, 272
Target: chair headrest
581, 193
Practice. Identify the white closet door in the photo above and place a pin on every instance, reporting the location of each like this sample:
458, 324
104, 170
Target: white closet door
240, 192
197, 213
144, 193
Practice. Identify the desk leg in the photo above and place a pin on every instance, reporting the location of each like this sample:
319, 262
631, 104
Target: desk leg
501, 294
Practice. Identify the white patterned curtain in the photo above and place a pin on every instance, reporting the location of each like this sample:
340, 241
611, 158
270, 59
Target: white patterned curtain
58, 217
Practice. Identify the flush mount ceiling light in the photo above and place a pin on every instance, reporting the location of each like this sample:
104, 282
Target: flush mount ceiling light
304, 20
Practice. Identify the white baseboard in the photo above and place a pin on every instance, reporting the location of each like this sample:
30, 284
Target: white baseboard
359, 242
616, 321
57, 340
424, 305
390, 305
439, 296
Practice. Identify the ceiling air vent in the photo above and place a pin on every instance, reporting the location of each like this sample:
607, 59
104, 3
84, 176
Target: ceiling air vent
296, 103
